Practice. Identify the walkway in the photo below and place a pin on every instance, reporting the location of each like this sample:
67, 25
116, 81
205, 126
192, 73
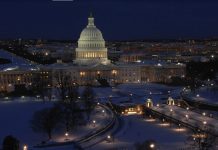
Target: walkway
187, 117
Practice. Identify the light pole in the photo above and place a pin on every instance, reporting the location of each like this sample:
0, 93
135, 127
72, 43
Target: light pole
152, 146
25, 147
66, 135
187, 117
103, 111
94, 122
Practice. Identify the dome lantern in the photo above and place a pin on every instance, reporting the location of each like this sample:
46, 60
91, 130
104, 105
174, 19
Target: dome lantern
91, 21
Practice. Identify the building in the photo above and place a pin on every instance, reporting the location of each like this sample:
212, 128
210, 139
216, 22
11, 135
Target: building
91, 46
91, 66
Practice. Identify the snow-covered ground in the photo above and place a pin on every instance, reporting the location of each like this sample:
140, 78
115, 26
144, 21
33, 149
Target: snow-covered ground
206, 94
15, 119
134, 129
140, 92
137, 129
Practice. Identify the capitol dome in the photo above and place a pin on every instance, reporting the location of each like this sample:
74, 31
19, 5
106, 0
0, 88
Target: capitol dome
91, 45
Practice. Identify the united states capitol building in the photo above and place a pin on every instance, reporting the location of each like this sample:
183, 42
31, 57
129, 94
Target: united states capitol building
92, 64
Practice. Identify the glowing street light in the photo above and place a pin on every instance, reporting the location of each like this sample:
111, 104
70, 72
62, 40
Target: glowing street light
25, 147
66, 135
205, 122
152, 146
187, 108
109, 138
103, 111
204, 114
94, 122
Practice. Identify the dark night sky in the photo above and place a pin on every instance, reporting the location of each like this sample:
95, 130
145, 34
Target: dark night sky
117, 19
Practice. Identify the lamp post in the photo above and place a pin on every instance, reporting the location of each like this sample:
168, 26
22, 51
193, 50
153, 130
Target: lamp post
103, 112
110, 138
25, 147
66, 135
114, 72
82, 74
187, 117
94, 122
171, 114
152, 146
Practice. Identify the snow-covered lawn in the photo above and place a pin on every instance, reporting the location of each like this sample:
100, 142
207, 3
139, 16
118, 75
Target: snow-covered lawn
140, 92
134, 130
137, 129
15, 119
206, 94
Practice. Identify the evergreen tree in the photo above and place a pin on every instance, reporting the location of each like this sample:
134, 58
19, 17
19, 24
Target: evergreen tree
10, 143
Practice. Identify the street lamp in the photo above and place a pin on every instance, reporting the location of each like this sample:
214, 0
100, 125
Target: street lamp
109, 138
152, 146
187, 117
94, 122
66, 135
103, 112
25, 147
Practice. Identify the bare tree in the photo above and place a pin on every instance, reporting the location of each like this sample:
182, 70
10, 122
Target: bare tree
42, 85
46, 120
64, 84
88, 98
68, 92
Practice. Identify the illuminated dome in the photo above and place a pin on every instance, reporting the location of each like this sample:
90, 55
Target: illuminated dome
91, 45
